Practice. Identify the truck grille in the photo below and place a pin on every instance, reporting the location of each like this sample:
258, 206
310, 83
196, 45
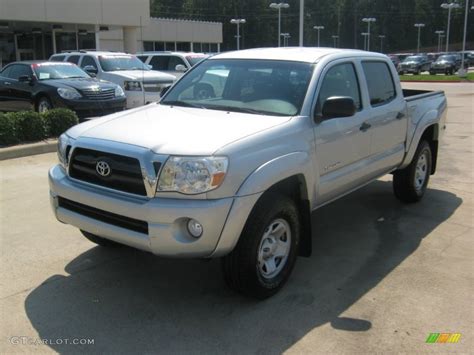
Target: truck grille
101, 94
155, 86
124, 172
132, 224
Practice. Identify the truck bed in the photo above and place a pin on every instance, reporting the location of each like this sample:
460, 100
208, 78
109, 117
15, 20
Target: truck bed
412, 94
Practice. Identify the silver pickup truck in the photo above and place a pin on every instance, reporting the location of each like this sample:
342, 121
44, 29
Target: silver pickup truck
240, 151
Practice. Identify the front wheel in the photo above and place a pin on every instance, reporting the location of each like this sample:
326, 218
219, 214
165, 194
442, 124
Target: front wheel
44, 104
409, 184
267, 249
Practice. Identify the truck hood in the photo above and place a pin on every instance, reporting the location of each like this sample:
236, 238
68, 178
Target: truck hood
143, 75
176, 130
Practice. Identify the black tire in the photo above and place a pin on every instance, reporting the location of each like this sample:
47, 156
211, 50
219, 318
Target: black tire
99, 240
43, 104
406, 184
242, 269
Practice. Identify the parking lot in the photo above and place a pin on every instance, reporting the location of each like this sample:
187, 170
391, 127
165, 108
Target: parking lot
383, 275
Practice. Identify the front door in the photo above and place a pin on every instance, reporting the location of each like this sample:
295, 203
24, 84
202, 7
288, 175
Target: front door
343, 143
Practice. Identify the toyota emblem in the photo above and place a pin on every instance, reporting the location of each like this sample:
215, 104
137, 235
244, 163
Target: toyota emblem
103, 168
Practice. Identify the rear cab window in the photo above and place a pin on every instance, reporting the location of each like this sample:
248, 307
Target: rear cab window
379, 82
57, 58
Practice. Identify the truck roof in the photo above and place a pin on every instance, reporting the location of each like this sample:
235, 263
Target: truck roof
297, 54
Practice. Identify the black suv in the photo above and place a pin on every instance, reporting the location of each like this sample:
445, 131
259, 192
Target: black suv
43, 85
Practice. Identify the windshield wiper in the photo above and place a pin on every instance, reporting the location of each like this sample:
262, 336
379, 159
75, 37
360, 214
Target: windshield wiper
182, 103
244, 110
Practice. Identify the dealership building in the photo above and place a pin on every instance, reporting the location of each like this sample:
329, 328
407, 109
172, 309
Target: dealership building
35, 29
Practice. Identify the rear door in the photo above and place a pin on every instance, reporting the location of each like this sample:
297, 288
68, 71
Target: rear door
342, 147
386, 115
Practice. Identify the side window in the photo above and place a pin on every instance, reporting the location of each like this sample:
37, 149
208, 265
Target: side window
74, 59
88, 60
20, 70
379, 82
6, 72
159, 62
174, 61
57, 58
143, 58
340, 80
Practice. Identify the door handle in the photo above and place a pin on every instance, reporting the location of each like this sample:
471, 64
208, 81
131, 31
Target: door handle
365, 126
400, 115
7, 83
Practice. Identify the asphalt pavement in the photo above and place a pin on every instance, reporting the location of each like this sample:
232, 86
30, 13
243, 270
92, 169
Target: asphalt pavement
383, 275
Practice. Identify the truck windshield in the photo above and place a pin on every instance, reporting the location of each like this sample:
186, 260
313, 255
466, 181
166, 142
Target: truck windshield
413, 59
121, 62
267, 87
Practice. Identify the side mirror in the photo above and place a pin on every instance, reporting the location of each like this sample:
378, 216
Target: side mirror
181, 68
25, 79
164, 90
91, 70
338, 106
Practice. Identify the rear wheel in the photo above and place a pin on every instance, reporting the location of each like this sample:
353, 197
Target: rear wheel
409, 184
266, 252
99, 240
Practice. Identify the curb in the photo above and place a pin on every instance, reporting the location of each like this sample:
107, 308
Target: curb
23, 150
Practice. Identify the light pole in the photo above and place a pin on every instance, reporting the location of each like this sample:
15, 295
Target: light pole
381, 42
365, 34
463, 72
238, 21
449, 6
419, 26
301, 21
368, 20
318, 28
279, 6
285, 38
335, 38
439, 33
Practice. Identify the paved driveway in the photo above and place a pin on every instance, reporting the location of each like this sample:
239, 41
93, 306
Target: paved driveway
383, 275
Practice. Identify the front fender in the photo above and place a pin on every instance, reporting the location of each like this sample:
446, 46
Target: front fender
278, 169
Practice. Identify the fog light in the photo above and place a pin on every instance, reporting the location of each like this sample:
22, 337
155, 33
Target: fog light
194, 228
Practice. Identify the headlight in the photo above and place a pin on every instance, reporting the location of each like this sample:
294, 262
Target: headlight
119, 92
64, 146
192, 175
132, 86
69, 93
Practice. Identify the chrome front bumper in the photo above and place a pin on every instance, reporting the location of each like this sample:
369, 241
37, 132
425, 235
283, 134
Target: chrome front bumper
167, 218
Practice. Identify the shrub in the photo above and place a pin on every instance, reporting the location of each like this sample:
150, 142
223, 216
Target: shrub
9, 130
59, 120
31, 125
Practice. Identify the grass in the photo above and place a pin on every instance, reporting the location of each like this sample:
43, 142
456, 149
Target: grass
439, 77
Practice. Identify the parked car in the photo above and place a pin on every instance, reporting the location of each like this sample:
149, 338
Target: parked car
141, 85
445, 64
43, 85
237, 174
414, 64
395, 60
175, 63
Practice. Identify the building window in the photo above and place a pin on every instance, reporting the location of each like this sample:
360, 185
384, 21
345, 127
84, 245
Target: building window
65, 41
148, 46
183, 46
87, 41
7, 49
170, 46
